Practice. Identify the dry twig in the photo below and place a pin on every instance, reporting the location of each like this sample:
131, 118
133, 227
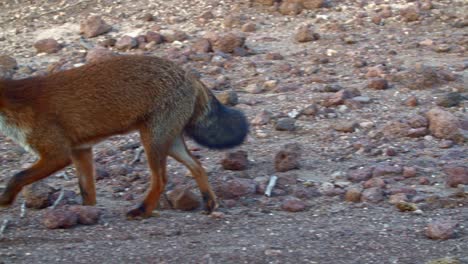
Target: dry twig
138, 154
271, 184
59, 199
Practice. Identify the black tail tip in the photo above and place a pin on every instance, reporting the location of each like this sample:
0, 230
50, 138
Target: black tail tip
222, 129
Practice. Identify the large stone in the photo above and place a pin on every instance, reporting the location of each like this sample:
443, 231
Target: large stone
293, 205
288, 158
37, 195
360, 175
236, 188
306, 34
235, 160
47, 46
456, 175
183, 199
444, 124
94, 26
372, 195
59, 218
87, 215
442, 229
227, 43
126, 43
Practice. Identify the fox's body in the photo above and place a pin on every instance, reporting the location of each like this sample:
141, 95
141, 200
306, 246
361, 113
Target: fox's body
60, 116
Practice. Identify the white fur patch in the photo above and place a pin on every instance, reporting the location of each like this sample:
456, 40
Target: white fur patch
15, 133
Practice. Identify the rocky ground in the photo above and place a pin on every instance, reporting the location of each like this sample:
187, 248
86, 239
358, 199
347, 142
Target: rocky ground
357, 107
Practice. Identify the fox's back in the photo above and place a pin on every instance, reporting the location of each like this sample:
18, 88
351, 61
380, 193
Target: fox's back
115, 95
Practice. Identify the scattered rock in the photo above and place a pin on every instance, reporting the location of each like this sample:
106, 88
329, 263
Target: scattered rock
442, 229
249, 27
7, 63
397, 198
410, 13
396, 129
153, 37
253, 88
418, 121
310, 110
374, 182
378, 84
404, 206
202, 46
285, 124
37, 195
183, 199
412, 101
353, 195
372, 195
262, 118
274, 56
236, 188
306, 34
173, 35
313, 4
288, 158
339, 97
266, 2
409, 172
7, 66
422, 77
59, 218
293, 205
445, 144
446, 260
99, 54
235, 160
443, 124
228, 98
290, 8
110, 42
360, 175
456, 175
147, 17
94, 26
47, 46
450, 99
383, 170
228, 42
417, 132
345, 126
126, 43
87, 215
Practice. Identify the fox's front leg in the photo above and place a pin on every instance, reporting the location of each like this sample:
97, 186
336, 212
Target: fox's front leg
83, 161
40, 170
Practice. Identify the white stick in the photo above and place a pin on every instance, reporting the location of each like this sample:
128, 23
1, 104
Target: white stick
137, 157
3, 227
59, 199
23, 210
271, 184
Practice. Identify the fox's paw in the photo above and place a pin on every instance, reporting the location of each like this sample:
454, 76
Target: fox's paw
5, 201
210, 206
138, 213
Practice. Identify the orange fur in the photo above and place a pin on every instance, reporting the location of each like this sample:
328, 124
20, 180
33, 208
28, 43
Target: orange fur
60, 116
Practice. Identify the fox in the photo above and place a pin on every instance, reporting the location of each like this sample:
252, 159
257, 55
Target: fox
59, 117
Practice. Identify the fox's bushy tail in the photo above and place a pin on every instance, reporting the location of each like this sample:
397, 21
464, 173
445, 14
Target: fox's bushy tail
218, 126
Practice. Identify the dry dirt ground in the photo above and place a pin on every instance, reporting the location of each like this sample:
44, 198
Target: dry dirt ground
354, 45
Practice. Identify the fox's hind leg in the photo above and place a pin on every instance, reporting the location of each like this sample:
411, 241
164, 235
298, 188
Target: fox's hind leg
180, 153
83, 161
156, 152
